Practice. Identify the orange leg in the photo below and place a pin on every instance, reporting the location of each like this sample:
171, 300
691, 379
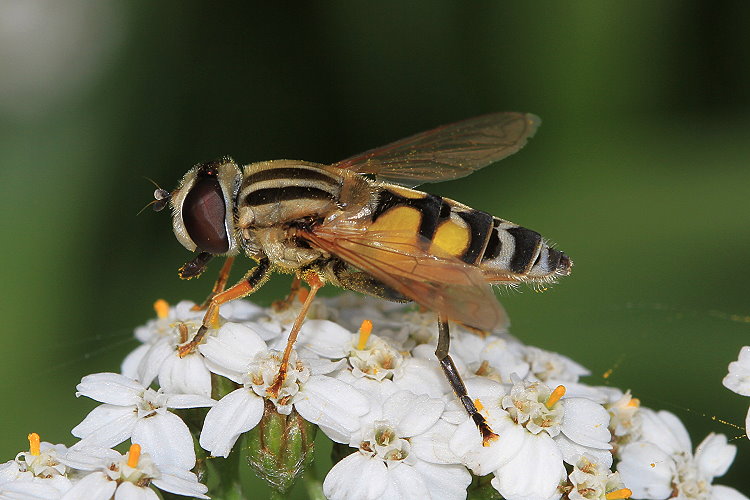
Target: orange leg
221, 282
283, 305
315, 284
251, 282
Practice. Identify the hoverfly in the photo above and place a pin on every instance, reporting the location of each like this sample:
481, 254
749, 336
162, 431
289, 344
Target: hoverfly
333, 224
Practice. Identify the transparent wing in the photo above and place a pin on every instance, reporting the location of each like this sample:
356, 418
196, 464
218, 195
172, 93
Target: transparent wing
398, 259
447, 152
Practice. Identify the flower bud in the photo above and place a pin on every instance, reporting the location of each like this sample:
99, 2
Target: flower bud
279, 448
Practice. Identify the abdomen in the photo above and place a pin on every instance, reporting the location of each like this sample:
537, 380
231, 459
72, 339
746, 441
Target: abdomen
506, 252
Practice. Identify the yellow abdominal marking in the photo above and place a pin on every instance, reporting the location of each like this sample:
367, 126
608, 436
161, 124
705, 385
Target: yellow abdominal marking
399, 218
619, 494
34, 444
134, 454
555, 396
364, 333
452, 238
162, 308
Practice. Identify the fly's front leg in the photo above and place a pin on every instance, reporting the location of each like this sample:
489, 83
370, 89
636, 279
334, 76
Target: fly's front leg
316, 283
250, 283
454, 379
219, 285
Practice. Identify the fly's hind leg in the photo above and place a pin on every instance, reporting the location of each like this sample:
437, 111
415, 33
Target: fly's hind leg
454, 379
250, 283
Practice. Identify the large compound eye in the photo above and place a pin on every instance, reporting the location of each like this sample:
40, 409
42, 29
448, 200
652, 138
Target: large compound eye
204, 213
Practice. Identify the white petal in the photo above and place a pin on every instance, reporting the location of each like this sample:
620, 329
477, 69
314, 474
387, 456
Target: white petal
85, 457
107, 425
422, 377
444, 481
646, 470
404, 483
666, 431
129, 491
466, 443
572, 452
129, 366
31, 489
738, 378
180, 481
719, 492
151, 363
332, 403
94, 486
714, 455
166, 438
586, 423
233, 347
411, 414
237, 412
324, 338
187, 375
356, 477
111, 388
181, 401
535, 472
433, 445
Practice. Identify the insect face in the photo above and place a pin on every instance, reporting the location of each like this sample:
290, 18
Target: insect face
203, 207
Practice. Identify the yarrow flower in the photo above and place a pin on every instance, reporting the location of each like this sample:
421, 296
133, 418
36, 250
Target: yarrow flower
738, 379
397, 452
662, 464
364, 372
36, 473
108, 474
133, 411
538, 431
238, 353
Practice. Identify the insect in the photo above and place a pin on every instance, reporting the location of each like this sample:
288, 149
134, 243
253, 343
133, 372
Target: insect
335, 224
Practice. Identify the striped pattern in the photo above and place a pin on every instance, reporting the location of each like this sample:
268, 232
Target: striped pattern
276, 192
505, 251
300, 182
279, 191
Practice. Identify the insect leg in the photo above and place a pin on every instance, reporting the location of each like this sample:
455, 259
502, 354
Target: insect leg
315, 284
195, 267
283, 305
454, 379
219, 285
250, 283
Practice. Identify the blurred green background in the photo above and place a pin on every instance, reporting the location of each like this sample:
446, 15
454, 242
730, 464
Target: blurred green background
639, 171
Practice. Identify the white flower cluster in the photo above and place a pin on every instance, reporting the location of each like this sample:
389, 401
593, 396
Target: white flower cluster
364, 371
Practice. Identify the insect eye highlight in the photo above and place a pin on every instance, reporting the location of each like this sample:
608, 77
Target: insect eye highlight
204, 213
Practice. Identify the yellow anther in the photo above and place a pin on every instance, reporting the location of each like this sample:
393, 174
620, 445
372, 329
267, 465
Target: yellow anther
34, 444
619, 494
162, 308
555, 396
634, 402
134, 455
365, 329
478, 405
